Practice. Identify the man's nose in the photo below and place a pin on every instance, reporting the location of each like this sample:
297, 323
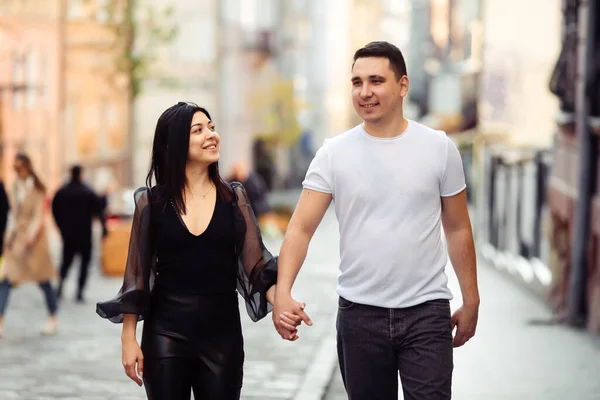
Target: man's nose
365, 91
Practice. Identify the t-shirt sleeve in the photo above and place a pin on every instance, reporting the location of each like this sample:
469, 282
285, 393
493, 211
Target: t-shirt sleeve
453, 177
318, 176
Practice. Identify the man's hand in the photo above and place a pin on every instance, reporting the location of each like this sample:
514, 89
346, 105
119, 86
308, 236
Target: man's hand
287, 315
465, 321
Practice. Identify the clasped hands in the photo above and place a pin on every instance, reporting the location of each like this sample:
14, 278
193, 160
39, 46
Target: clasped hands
288, 314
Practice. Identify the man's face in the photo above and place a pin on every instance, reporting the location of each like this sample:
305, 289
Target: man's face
376, 92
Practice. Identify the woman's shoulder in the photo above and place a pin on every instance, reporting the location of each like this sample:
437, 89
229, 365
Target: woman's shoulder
143, 195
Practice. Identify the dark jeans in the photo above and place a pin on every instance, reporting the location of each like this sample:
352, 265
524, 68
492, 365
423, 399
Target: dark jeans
375, 343
70, 249
46, 287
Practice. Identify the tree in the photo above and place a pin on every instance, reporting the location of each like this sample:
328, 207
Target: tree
136, 23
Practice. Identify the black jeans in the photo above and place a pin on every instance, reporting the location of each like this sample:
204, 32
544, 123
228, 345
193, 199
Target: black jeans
70, 250
375, 343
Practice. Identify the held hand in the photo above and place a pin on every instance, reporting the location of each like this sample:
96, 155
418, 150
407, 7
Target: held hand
465, 321
287, 315
29, 242
132, 358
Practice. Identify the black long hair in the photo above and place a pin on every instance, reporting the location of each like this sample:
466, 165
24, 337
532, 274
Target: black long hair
170, 153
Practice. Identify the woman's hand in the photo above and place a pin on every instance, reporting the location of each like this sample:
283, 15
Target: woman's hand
132, 358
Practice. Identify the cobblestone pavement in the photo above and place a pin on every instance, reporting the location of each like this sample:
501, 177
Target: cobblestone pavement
83, 361
514, 355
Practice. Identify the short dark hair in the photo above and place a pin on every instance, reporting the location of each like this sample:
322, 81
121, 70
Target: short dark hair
76, 172
384, 50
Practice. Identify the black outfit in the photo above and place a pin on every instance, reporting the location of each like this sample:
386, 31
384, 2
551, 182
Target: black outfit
184, 286
74, 206
4, 209
257, 192
374, 343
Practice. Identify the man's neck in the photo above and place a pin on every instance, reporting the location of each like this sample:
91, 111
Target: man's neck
386, 129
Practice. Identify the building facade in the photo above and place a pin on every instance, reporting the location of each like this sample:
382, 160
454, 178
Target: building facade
31, 98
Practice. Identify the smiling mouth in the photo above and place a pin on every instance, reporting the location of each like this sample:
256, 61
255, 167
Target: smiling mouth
211, 147
369, 105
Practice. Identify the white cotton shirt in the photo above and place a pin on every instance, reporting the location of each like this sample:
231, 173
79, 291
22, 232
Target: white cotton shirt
387, 196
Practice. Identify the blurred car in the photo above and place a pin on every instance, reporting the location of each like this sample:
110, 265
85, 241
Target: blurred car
119, 216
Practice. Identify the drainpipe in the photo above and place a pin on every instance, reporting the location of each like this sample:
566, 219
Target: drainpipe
577, 299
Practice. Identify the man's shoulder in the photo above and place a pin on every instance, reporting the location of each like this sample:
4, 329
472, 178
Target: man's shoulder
429, 133
342, 139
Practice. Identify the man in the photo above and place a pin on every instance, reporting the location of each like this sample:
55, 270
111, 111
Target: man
394, 183
74, 206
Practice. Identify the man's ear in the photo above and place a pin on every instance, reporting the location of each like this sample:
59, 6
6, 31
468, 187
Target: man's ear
405, 85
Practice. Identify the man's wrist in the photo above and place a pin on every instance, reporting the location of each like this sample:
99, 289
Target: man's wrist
471, 301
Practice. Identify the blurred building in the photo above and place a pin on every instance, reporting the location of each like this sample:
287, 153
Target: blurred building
514, 98
183, 69
31, 59
97, 114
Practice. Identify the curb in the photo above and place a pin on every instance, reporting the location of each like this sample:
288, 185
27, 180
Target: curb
319, 372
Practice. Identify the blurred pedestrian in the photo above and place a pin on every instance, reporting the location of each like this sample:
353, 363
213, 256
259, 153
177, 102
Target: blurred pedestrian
395, 183
193, 240
74, 208
26, 254
255, 187
4, 209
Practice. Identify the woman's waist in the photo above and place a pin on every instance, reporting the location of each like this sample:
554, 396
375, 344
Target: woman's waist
189, 314
194, 296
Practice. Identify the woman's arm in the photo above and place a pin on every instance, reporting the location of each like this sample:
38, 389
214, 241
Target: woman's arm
129, 327
271, 295
132, 353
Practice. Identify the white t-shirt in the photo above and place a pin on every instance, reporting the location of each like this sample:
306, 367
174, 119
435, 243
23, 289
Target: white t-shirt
387, 195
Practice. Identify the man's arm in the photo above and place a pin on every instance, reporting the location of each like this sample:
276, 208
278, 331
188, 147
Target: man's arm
307, 216
461, 249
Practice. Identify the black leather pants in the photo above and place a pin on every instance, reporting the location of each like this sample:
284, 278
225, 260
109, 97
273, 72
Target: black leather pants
175, 378
193, 343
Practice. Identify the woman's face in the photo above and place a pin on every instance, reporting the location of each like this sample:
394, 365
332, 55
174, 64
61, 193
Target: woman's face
21, 169
204, 140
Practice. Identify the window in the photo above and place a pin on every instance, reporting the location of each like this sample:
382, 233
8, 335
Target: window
75, 9
31, 81
17, 81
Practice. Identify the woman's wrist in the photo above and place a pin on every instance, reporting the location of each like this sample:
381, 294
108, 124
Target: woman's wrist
271, 294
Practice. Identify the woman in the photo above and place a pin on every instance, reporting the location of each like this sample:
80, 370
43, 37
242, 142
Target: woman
194, 240
26, 255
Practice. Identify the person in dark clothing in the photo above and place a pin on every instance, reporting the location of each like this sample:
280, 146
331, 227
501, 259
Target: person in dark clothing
4, 209
255, 187
74, 207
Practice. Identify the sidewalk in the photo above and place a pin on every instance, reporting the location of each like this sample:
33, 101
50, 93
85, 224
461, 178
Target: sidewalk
514, 355
83, 361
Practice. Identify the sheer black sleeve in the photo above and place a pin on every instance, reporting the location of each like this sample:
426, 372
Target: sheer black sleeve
134, 296
257, 268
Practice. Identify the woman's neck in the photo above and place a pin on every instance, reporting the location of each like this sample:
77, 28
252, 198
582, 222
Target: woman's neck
198, 179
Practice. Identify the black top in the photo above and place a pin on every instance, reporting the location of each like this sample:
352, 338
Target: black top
74, 206
255, 267
190, 264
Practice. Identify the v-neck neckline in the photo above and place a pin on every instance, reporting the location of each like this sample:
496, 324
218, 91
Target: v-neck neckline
184, 225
